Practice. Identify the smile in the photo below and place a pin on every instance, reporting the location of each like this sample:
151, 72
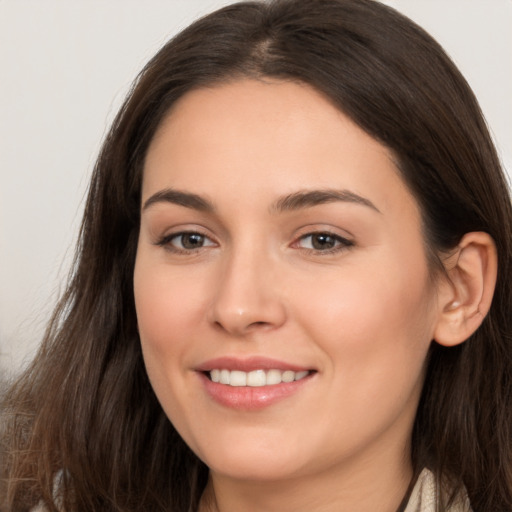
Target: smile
255, 378
253, 383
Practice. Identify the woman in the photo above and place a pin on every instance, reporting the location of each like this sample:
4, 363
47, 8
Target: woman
291, 287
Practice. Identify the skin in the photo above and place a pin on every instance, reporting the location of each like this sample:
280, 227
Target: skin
361, 315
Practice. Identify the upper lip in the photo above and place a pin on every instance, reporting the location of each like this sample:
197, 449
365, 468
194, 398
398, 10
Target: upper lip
249, 364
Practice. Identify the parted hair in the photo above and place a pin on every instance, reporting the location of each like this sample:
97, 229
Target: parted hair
81, 428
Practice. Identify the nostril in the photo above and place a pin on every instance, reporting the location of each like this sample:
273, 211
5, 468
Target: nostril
259, 315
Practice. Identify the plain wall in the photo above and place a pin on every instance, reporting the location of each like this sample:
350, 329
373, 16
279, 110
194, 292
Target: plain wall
65, 68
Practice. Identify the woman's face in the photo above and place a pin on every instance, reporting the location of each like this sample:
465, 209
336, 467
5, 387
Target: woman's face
281, 253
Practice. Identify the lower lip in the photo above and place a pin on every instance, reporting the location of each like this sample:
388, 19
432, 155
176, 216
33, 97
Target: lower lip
248, 398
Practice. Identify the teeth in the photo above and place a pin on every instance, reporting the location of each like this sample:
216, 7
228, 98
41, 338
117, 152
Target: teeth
225, 376
288, 376
273, 377
237, 378
256, 378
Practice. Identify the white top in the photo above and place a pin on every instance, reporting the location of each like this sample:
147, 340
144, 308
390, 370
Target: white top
424, 496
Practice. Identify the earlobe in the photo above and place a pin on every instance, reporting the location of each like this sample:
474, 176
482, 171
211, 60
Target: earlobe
465, 294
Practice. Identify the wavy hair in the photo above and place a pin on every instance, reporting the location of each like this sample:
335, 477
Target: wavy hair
84, 416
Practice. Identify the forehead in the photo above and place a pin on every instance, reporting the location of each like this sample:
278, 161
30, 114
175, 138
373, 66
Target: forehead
276, 136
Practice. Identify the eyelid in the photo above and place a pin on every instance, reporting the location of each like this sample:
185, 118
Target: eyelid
165, 240
343, 242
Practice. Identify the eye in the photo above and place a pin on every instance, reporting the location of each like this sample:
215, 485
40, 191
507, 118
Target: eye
323, 242
186, 241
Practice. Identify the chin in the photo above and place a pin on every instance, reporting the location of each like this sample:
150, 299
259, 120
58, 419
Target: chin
254, 461
261, 470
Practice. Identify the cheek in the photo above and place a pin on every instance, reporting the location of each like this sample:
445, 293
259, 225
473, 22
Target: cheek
169, 311
374, 320
375, 329
169, 308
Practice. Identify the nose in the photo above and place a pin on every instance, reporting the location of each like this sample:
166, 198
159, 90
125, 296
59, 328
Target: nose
248, 296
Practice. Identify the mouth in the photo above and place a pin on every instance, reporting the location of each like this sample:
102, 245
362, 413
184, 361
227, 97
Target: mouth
254, 383
255, 378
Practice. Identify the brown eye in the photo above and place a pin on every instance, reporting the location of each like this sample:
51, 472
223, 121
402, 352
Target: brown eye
323, 242
185, 241
191, 240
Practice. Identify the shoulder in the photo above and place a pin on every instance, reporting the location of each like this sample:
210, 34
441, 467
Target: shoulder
39, 508
425, 494
57, 484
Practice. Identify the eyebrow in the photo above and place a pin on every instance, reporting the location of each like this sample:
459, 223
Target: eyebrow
290, 202
308, 198
186, 199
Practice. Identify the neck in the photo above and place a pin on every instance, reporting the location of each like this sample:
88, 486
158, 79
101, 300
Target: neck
367, 486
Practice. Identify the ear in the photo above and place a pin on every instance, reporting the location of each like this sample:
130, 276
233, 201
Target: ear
465, 293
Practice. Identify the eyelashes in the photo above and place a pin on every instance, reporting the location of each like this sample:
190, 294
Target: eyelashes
186, 242
324, 242
315, 242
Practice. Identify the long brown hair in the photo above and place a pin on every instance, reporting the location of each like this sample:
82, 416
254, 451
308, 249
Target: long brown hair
82, 428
